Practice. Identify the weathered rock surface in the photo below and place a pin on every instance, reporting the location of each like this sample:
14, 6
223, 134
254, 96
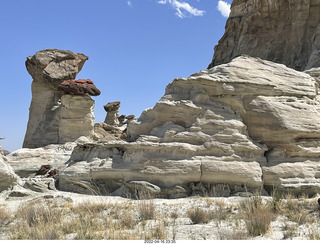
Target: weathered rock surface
49, 105
231, 128
79, 87
8, 178
315, 73
285, 31
26, 162
76, 118
105, 132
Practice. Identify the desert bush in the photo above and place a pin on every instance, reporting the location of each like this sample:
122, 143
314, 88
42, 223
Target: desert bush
199, 215
256, 215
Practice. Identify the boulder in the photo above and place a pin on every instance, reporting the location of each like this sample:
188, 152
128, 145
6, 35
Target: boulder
8, 179
286, 32
49, 122
105, 132
44, 169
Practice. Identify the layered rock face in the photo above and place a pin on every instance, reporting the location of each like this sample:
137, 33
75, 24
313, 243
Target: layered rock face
27, 161
286, 32
61, 109
229, 129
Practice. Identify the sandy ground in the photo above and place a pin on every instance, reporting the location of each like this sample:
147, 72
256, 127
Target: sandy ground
181, 227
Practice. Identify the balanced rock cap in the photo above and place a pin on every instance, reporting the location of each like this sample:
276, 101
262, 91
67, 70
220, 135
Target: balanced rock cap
112, 106
79, 87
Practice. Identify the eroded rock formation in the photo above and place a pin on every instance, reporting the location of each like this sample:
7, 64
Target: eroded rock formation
244, 125
112, 109
286, 31
230, 128
61, 109
8, 178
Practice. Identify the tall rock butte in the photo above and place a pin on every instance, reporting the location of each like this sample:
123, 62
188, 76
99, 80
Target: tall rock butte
61, 109
286, 32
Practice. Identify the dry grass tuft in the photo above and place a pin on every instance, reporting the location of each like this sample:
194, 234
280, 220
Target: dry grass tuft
257, 216
37, 214
297, 210
146, 209
199, 215
37, 221
221, 212
5, 215
156, 231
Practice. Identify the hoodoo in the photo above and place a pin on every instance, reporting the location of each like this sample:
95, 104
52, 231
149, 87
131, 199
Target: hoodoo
61, 109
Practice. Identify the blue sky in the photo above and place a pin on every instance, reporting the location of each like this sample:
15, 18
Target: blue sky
135, 49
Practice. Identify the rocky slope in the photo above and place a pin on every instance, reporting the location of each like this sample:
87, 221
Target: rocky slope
285, 31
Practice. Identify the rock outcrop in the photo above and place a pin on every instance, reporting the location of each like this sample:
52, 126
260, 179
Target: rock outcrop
61, 109
8, 179
221, 131
286, 32
26, 161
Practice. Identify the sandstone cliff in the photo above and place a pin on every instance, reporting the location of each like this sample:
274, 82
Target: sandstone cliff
61, 109
286, 32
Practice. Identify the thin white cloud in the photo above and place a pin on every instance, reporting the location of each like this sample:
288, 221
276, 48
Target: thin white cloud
129, 3
183, 9
224, 8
